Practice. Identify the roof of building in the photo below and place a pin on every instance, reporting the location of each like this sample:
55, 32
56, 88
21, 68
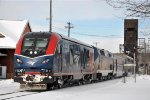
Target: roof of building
10, 32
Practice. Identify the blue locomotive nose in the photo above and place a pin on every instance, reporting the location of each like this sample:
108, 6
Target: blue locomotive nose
37, 62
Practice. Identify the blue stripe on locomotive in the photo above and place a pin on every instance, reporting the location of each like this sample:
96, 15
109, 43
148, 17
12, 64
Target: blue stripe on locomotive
34, 62
96, 54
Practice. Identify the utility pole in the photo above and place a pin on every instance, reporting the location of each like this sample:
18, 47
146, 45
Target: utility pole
96, 43
69, 27
50, 20
134, 55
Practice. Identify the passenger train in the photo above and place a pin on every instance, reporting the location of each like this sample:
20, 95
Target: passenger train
45, 60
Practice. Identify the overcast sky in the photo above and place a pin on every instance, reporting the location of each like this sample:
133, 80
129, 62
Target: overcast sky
92, 17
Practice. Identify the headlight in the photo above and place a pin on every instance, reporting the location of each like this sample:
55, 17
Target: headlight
45, 61
44, 70
18, 60
19, 72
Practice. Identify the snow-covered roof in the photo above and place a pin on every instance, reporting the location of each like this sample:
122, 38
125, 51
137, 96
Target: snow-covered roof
11, 30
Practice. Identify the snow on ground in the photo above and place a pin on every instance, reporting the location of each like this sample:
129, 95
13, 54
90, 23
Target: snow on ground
107, 90
8, 85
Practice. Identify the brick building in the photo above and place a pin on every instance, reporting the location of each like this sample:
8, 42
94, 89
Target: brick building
10, 32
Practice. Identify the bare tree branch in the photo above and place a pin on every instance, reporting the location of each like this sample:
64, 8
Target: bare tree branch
134, 8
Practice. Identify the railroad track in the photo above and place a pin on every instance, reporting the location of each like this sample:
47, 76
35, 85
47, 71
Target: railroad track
22, 93
8, 87
17, 94
10, 93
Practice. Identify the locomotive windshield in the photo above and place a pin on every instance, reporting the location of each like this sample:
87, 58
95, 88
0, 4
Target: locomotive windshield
33, 47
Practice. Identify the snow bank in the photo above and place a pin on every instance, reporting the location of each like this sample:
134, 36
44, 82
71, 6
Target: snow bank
145, 77
131, 79
6, 81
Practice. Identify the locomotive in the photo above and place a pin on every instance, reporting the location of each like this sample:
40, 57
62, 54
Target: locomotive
44, 60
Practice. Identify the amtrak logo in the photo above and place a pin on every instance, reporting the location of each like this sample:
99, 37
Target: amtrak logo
31, 63
76, 58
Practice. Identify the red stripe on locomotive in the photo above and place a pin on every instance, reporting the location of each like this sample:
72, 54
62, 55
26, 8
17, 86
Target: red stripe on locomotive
32, 72
52, 44
19, 45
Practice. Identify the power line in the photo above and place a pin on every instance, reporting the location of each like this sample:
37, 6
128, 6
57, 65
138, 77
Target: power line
59, 28
94, 35
112, 36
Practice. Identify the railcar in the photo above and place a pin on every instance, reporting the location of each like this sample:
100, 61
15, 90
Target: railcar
44, 60
103, 63
118, 66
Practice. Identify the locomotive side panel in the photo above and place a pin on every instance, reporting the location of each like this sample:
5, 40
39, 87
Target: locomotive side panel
119, 65
67, 60
106, 63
